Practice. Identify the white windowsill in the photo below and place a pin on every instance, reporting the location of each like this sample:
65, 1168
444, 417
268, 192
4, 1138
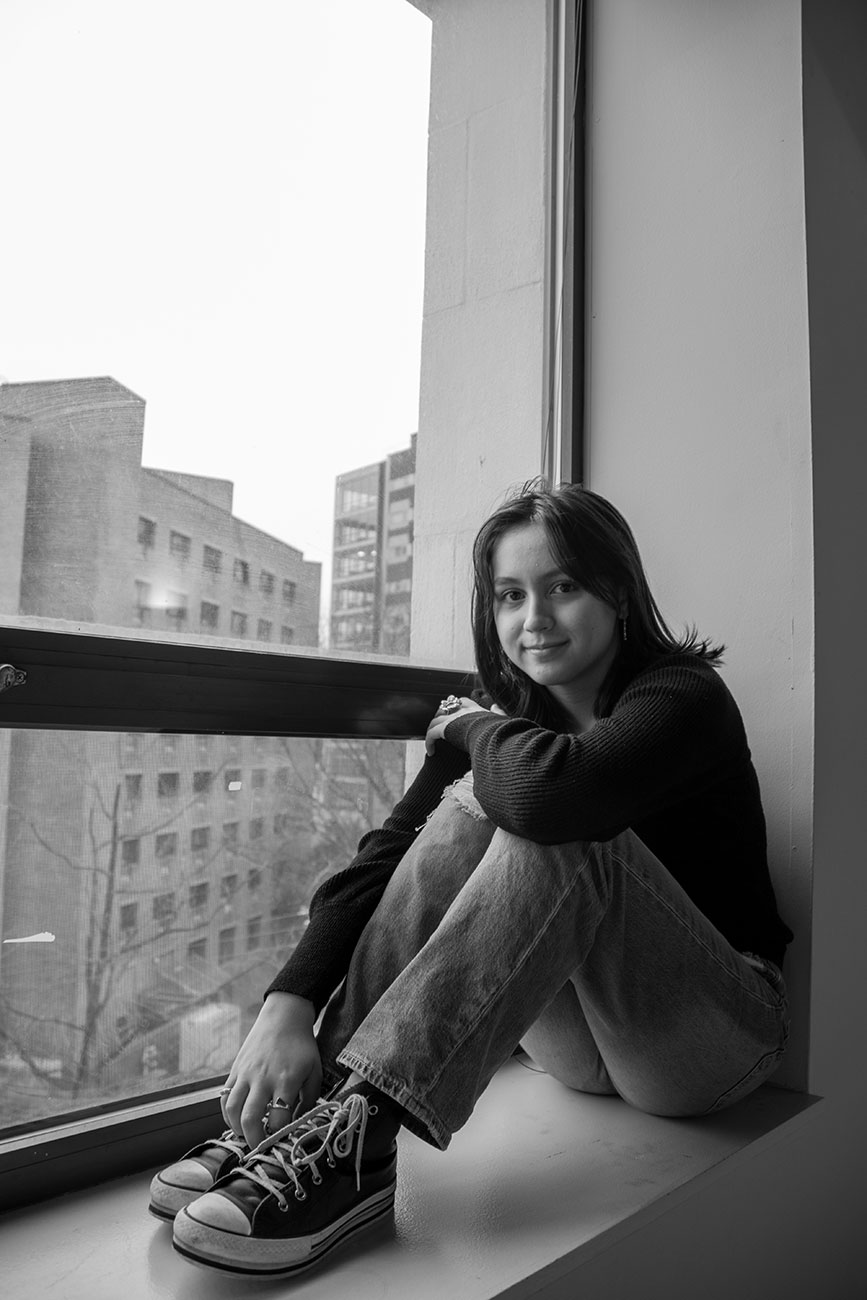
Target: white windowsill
539, 1181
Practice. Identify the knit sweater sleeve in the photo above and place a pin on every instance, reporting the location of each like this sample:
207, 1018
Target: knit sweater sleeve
342, 905
674, 730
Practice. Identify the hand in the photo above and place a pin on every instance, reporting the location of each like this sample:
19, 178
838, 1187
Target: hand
440, 720
278, 1058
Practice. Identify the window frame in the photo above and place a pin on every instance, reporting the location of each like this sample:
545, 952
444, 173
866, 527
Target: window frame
98, 682
112, 681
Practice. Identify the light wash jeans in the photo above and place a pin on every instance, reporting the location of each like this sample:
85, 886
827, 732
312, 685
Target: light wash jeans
588, 954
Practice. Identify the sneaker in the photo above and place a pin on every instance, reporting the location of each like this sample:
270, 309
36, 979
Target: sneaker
195, 1174
306, 1189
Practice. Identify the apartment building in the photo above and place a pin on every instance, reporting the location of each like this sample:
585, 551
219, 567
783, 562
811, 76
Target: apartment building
371, 587
169, 869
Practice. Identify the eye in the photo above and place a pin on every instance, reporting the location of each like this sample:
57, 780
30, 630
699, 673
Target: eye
565, 586
511, 596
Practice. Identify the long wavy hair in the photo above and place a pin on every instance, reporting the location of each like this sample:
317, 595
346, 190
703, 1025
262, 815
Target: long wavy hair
594, 545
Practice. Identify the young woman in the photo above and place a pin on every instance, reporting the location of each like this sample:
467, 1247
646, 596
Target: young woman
579, 867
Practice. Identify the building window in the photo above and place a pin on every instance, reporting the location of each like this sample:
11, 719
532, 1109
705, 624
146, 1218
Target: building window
399, 549
209, 615
166, 845
198, 896
254, 879
232, 780
282, 823
176, 610
164, 910
228, 887
263, 629
226, 944
212, 560
200, 839
266, 583
399, 513
230, 836
254, 932
197, 950
287, 635
128, 923
202, 781
356, 562
346, 533
179, 545
168, 785
132, 785
130, 854
238, 623
289, 589
259, 778
241, 573
257, 828
142, 603
147, 533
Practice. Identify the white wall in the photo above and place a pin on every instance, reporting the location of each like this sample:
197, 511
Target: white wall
482, 374
698, 379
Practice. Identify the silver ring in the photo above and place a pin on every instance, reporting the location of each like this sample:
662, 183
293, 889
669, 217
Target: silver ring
278, 1103
450, 704
224, 1092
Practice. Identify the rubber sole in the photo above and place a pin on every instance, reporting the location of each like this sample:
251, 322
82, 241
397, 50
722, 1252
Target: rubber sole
269, 1257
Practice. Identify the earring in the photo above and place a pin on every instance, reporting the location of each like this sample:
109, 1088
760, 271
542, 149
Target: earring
623, 625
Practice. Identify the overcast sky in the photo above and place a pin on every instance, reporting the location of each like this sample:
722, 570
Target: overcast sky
221, 205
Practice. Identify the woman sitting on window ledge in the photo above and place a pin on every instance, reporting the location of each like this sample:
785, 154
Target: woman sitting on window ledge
579, 867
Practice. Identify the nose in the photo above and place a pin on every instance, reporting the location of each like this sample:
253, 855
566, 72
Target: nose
538, 616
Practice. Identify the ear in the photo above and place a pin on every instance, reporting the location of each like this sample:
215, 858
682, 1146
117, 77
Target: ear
622, 604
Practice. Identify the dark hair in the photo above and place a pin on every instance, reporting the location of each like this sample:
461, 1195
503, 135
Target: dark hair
593, 543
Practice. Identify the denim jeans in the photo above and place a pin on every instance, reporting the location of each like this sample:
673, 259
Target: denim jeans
588, 954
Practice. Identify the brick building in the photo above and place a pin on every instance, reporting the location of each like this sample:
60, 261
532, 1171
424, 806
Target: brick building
169, 868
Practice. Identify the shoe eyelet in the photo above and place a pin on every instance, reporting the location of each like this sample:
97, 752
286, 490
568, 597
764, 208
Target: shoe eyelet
373, 1110
283, 1207
299, 1196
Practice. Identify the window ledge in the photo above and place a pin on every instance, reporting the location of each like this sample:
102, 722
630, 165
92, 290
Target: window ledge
538, 1182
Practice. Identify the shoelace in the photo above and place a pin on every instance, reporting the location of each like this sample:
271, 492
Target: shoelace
231, 1142
286, 1155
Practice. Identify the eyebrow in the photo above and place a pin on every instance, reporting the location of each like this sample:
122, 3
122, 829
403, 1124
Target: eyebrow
517, 582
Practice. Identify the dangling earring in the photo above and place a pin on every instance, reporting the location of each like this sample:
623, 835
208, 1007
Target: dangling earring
623, 625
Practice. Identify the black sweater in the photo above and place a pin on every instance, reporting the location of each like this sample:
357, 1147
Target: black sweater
671, 762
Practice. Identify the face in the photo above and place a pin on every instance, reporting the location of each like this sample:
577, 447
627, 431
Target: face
561, 636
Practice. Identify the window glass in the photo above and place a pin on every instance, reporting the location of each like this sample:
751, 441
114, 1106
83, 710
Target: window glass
186, 918
178, 309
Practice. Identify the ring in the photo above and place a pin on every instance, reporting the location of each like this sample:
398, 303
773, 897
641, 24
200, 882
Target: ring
450, 704
225, 1091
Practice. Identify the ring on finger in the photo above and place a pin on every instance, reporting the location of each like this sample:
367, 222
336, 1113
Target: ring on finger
450, 704
276, 1103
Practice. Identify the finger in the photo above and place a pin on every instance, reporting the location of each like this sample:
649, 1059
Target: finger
225, 1092
278, 1117
232, 1104
284, 1103
252, 1118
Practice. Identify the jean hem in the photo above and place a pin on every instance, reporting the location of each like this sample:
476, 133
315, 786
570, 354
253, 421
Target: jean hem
419, 1119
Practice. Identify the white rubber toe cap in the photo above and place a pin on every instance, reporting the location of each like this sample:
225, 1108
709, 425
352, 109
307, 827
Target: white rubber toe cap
190, 1174
216, 1211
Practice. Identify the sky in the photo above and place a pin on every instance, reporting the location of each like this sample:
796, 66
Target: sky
222, 206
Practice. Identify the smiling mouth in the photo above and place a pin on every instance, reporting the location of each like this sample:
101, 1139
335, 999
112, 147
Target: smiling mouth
541, 649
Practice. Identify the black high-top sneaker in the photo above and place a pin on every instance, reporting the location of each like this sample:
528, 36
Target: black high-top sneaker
195, 1173
329, 1174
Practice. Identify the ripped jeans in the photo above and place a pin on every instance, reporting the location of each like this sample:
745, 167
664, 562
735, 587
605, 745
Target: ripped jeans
589, 955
